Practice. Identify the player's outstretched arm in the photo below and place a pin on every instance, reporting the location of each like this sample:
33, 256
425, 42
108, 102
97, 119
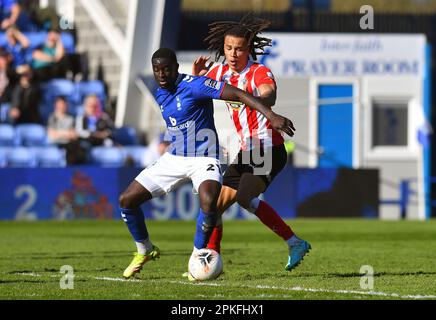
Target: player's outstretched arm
278, 122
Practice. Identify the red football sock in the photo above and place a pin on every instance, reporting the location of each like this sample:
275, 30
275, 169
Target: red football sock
215, 238
272, 220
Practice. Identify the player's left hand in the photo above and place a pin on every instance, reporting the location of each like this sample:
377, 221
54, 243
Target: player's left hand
282, 124
200, 66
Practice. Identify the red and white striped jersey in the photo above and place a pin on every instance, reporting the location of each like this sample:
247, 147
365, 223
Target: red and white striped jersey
252, 126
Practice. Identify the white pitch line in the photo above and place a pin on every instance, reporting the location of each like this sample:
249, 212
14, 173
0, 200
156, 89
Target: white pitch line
212, 284
117, 279
372, 293
298, 289
29, 274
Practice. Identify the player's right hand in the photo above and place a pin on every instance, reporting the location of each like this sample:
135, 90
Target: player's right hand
200, 66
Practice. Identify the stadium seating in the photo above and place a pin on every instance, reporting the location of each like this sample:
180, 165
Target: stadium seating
38, 38
50, 157
3, 160
59, 87
21, 157
51, 90
7, 135
136, 153
75, 94
86, 88
108, 156
4, 110
31, 134
125, 136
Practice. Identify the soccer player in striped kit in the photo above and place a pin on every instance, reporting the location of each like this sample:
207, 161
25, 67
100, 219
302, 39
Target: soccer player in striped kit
245, 180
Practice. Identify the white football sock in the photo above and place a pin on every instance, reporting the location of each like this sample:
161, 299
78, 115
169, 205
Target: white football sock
195, 250
144, 246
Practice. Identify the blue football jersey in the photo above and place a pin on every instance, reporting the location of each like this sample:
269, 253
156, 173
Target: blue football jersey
188, 113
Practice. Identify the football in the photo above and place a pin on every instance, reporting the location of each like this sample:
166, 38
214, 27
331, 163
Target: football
205, 264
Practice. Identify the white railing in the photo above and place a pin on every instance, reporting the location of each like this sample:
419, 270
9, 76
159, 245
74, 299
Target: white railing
107, 26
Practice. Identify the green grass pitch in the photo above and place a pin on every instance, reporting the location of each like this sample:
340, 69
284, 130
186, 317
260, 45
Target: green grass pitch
401, 253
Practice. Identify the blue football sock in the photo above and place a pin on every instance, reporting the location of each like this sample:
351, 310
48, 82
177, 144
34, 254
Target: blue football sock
205, 225
134, 218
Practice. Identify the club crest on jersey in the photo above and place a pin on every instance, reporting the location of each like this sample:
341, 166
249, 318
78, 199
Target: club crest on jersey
179, 103
212, 84
235, 105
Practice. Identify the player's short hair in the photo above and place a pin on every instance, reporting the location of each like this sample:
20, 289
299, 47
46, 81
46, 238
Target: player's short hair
165, 53
249, 27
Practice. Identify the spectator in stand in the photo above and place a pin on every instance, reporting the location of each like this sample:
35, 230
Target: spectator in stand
49, 60
94, 127
9, 13
7, 78
26, 96
60, 127
16, 46
61, 131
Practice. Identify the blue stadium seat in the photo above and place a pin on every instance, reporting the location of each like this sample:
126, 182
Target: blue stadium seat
78, 110
68, 42
59, 87
38, 38
21, 157
7, 135
3, 158
137, 153
50, 157
4, 112
86, 88
108, 156
32, 134
54, 88
45, 110
125, 136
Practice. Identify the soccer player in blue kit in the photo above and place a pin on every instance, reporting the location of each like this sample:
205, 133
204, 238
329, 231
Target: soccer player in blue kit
187, 108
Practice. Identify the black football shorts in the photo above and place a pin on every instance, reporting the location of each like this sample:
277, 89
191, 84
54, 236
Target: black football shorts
265, 163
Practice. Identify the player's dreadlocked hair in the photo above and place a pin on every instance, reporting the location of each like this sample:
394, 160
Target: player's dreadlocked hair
249, 28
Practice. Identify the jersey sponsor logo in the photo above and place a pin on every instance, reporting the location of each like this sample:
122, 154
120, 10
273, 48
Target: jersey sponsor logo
179, 127
212, 84
235, 105
173, 121
269, 74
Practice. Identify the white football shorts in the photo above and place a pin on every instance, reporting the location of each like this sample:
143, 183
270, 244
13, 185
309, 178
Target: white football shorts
169, 171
